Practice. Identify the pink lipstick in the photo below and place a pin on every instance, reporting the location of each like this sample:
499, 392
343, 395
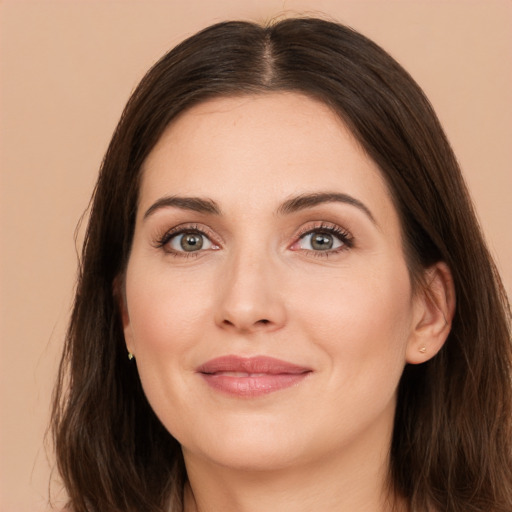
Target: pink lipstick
251, 376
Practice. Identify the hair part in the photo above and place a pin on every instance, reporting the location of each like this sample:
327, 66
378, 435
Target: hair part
451, 447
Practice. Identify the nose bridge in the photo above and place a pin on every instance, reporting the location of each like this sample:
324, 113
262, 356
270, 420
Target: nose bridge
250, 297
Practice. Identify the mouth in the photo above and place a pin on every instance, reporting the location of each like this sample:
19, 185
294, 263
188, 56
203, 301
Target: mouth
251, 376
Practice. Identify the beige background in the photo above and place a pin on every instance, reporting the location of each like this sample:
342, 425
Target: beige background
67, 70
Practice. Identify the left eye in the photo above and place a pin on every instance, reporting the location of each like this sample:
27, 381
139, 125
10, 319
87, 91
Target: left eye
189, 242
320, 241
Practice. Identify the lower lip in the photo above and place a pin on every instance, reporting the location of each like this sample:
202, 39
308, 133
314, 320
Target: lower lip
252, 386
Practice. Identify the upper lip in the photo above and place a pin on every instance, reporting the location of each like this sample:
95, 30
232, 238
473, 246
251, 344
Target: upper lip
250, 365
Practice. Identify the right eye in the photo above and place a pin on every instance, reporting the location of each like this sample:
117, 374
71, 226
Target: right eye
190, 242
186, 241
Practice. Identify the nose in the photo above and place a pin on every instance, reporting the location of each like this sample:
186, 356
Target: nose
250, 297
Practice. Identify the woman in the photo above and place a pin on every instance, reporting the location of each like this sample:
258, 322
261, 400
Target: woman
281, 240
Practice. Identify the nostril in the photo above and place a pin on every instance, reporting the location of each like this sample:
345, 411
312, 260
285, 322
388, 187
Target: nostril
245, 325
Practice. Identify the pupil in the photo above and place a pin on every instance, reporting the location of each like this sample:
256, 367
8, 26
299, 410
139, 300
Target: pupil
321, 241
191, 242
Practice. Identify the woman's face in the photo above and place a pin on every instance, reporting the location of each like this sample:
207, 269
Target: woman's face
268, 301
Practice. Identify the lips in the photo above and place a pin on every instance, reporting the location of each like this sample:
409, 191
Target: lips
252, 376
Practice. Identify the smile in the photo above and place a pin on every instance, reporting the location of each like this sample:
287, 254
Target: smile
251, 377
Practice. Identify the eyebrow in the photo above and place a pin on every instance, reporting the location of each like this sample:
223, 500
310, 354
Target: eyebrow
305, 201
295, 204
195, 204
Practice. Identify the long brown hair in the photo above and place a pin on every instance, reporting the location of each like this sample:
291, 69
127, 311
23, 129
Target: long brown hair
451, 448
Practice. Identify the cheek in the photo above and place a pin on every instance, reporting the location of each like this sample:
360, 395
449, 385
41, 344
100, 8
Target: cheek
165, 308
168, 311
165, 314
361, 318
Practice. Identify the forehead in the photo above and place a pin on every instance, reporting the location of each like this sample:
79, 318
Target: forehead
263, 147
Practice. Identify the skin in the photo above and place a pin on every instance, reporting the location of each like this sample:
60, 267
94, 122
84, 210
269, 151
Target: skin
259, 287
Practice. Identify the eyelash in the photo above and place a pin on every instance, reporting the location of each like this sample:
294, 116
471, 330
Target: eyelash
342, 235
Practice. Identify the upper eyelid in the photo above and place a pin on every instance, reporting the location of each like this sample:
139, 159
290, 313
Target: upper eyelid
190, 226
327, 226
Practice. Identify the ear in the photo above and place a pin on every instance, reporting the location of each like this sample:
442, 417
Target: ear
433, 314
119, 292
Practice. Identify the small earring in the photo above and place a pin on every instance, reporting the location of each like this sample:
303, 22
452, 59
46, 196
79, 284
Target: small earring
423, 349
130, 356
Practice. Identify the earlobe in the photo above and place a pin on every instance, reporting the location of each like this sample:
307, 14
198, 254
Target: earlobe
434, 310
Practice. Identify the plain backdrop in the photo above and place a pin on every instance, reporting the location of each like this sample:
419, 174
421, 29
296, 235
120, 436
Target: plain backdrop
67, 69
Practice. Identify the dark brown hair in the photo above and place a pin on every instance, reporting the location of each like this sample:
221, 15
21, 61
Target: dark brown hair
451, 448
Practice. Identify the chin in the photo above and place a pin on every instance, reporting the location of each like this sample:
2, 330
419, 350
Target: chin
250, 450
253, 459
